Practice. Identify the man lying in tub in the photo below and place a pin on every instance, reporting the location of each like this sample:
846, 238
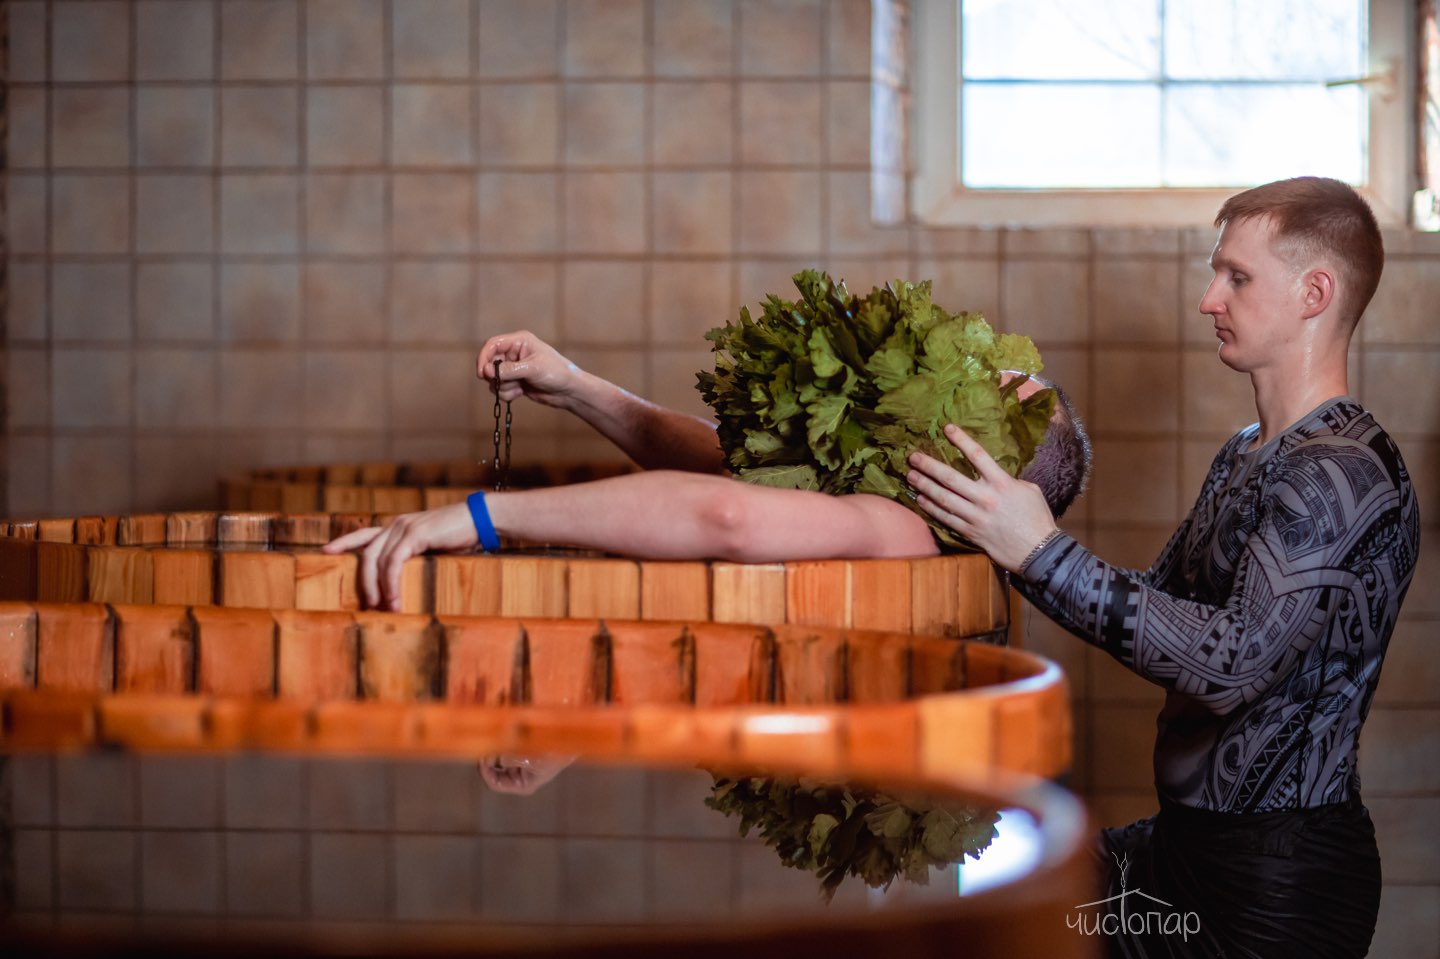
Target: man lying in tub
684, 504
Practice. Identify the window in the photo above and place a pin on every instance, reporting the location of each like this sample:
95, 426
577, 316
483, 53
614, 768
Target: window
1045, 112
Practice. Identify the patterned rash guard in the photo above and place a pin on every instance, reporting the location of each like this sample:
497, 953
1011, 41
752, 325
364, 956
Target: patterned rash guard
1265, 617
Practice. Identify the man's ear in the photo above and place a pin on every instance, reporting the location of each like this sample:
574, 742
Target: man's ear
1317, 288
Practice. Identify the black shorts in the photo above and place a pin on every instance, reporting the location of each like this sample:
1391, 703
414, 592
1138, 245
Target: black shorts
1304, 883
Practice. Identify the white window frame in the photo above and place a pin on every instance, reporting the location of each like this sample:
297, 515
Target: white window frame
937, 197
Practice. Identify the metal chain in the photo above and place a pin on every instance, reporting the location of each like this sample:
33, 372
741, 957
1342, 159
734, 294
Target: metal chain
502, 465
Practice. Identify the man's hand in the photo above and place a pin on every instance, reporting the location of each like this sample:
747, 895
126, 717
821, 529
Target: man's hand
388, 547
528, 367
1004, 516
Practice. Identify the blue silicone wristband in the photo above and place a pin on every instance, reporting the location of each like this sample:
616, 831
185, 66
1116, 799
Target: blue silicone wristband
484, 528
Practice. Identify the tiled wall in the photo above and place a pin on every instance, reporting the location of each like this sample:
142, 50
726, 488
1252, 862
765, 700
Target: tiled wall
270, 231
267, 846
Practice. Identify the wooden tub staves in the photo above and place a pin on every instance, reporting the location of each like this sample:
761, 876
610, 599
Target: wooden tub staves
379, 487
271, 560
862, 702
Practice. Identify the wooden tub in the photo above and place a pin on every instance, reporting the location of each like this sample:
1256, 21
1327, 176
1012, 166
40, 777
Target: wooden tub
271, 560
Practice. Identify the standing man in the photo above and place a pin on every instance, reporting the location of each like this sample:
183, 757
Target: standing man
1267, 614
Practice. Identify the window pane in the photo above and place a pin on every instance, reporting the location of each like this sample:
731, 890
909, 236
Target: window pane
1265, 39
1237, 135
1060, 39
1048, 135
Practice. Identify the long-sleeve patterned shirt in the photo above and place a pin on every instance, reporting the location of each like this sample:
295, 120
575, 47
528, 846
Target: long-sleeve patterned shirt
1265, 617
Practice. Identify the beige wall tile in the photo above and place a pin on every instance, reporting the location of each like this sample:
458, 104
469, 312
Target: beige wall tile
90, 41
174, 213
433, 390
519, 296
1134, 480
1135, 391
687, 299
33, 850
91, 301
519, 38
259, 213
762, 277
435, 796
1195, 327
1158, 243
1396, 390
694, 38
180, 872
259, 389
1129, 546
1048, 300
1111, 683
345, 213
672, 373
849, 52
90, 388
432, 213
347, 875
693, 123
436, 878
259, 126
90, 126
330, 447
604, 303
1135, 301
781, 123
259, 39
26, 128
603, 38
259, 302
344, 39
27, 307
603, 880
241, 452
604, 124
344, 302
28, 471
1403, 310
174, 40
432, 303
605, 213
864, 273
264, 874
263, 792
175, 388
1028, 242
624, 367
26, 225
90, 214
344, 125
852, 229
1409, 923
780, 212
847, 123
96, 870
27, 380
1217, 399
345, 390
91, 474
29, 54
175, 126
689, 878
1409, 841
780, 37
535, 893
519, 212
432, 125
175, 471
174, 301
519, 124
431, 39
596, 801
693, 212
1397, 751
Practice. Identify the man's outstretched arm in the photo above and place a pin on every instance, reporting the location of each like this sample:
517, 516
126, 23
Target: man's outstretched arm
653, 436
656, 515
